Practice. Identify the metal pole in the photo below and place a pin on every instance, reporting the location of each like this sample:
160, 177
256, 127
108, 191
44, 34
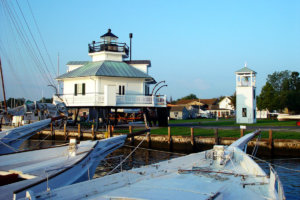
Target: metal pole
130, 36
3, 88
57, 72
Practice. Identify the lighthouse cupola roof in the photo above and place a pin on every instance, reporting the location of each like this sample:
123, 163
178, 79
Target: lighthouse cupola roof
109, 36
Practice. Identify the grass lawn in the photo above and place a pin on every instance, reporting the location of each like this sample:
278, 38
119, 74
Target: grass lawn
231, 122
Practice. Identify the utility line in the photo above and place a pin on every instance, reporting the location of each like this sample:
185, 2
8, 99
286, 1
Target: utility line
34, 19
37, 47
22, 34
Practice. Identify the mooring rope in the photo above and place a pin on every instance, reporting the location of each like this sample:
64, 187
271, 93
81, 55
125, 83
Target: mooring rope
155, 150
129, 154
8, 146
295, 170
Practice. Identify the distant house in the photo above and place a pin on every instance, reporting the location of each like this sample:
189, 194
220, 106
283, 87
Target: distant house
179, 112
192, 105
262, 114
226, 103
214, 108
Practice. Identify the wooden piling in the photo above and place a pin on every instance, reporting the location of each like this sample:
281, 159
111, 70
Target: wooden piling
242, 132
109, 131
149, 140
52, 132
217, 139
192, 137
270, 142
79, 132
169, 138
132, 138
93, 132
65, 132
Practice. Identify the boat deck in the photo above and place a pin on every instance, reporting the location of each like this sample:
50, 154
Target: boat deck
189, 177
34, 166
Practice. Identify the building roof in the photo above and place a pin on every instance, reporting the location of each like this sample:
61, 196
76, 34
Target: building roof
77, 62
245, 70
109, 34
209, 101
186, 101
106, 68
147, 62
177, 108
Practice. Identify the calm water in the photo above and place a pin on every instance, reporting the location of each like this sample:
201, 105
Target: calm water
290, 179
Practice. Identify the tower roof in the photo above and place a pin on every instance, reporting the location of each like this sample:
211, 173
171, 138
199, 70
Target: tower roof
109, 34
106, 68
245, 70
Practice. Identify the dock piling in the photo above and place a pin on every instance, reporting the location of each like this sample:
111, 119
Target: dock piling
93, 132
132, 138
217, 139
169, 138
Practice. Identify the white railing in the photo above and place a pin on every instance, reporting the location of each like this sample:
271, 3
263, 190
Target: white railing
93, 99
90, 99
275, 184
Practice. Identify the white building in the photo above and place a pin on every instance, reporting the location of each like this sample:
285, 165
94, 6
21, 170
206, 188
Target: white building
108, 80
226, 103
245, 96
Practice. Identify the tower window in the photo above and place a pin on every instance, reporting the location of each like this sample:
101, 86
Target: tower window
121, 90
244, 112
75, 90
79, 89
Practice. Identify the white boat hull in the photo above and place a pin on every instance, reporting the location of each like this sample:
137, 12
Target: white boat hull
80, 169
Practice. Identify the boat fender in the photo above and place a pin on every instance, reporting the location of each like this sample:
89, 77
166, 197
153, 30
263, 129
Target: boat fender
72, 147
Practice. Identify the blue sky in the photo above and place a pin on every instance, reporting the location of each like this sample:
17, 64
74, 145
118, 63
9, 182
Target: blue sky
196, 46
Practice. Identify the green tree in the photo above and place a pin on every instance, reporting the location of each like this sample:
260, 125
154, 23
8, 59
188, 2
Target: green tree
233, 100
190, 96
282, 90
267, 98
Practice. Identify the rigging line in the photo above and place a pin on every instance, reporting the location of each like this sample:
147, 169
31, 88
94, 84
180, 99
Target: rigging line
11, 68
22, 34
10, 147
25, 40
34, 19
295, 170
129, 154
39, 51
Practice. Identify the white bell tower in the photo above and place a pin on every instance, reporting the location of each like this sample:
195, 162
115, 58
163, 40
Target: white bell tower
245, 96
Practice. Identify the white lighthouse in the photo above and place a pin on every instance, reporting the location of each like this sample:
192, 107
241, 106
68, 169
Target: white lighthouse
245, 96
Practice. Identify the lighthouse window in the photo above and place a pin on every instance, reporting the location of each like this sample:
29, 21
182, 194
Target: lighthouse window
79, 89
253, 93
121, 89
244, 112
75, 89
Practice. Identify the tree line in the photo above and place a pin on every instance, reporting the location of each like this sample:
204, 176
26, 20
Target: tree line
281, 91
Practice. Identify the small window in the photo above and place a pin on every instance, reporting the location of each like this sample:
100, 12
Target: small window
123, 90
254, 114
120, 89
254, 94
244, 112
75, 89
83, 88
146, 90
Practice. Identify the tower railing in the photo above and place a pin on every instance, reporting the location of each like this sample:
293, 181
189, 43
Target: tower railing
108, 46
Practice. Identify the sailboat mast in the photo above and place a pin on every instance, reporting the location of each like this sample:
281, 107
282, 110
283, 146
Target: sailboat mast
3, 88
